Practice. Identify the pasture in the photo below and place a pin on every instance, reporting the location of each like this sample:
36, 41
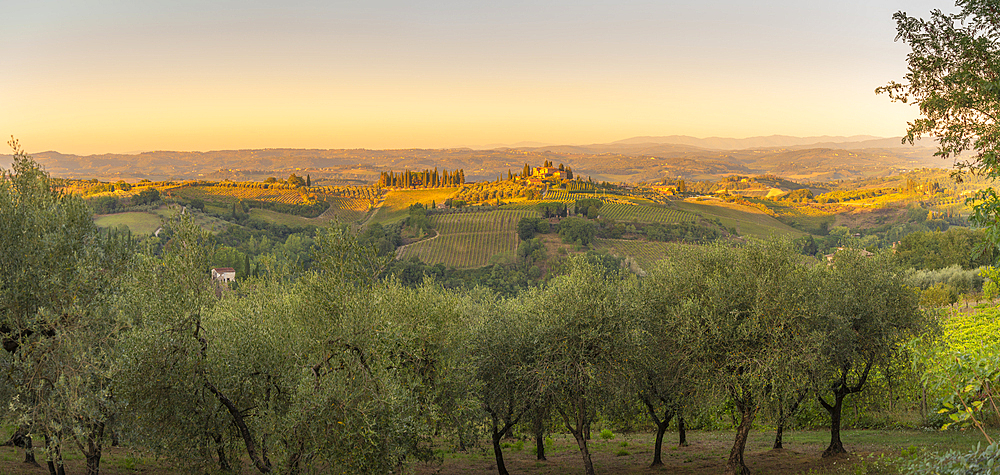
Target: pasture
394, 208
139, 222
146, 222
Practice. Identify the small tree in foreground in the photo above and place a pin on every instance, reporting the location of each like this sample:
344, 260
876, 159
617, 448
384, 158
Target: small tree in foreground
581, 346
866, 313
751, 307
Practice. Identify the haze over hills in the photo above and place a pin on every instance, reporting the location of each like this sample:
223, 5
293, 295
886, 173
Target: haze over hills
770, 141
630, 160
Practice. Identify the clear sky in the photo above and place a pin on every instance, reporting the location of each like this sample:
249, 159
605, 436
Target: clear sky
94, 76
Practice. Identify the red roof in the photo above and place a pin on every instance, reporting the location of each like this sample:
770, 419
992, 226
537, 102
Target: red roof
222, 270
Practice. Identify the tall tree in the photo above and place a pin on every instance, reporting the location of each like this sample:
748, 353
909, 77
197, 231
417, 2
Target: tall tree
953, 71
59, 274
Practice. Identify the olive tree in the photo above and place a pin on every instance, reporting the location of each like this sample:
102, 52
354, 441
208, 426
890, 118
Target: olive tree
866, 311
665, 369
59, 275
501, 355
749, 309
584, 329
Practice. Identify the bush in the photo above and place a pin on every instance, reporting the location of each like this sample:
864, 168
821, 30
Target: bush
979, 461
606, 434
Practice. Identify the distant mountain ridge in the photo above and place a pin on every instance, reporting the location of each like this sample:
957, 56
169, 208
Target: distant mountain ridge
630, 160
770, 141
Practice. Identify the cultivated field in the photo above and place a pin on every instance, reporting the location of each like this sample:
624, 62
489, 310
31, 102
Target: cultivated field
644, 214
348, 210
645, 253
468, 240
232, 194
746, 220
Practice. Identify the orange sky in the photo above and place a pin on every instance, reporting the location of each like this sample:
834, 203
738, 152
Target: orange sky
85, 77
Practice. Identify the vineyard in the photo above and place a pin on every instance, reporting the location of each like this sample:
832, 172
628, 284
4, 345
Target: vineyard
349, 209
644, 214
565, 196
468, 240
645, 253
370, 193
221, 193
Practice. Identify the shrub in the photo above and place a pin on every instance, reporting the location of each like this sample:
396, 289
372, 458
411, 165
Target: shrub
606, 434
979, 461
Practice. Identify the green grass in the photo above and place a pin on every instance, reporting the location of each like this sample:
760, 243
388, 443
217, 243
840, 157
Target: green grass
469, 240
870, 451
146, 222
747, 221
286, 219
394, 208
139, 222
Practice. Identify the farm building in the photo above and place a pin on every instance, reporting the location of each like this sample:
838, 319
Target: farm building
224, 274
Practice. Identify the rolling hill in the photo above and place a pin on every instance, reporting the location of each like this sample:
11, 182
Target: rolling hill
623, 161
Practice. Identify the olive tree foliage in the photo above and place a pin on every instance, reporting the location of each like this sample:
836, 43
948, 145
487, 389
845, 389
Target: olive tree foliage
501, 357
751, 312
866, 313
59, 272
584, 331
666, 369
954, 77
161, 372
336, 370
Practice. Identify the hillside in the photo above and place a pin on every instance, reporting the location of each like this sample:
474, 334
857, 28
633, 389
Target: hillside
616, 162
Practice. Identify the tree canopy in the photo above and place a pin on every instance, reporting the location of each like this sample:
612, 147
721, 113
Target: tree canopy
954, 78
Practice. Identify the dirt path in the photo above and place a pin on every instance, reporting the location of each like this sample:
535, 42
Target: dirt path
401, 250
375, 211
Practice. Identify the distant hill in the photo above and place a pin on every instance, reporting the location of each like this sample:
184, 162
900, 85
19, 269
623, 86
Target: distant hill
771, 141
632, 160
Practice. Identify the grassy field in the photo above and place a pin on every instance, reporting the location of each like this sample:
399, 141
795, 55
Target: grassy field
625, 453
397, 201
747, 221
287, 219
469, 240
871, 452
139, 222
146, 222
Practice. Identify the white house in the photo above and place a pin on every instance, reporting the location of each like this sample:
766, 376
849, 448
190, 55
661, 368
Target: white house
224, 274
